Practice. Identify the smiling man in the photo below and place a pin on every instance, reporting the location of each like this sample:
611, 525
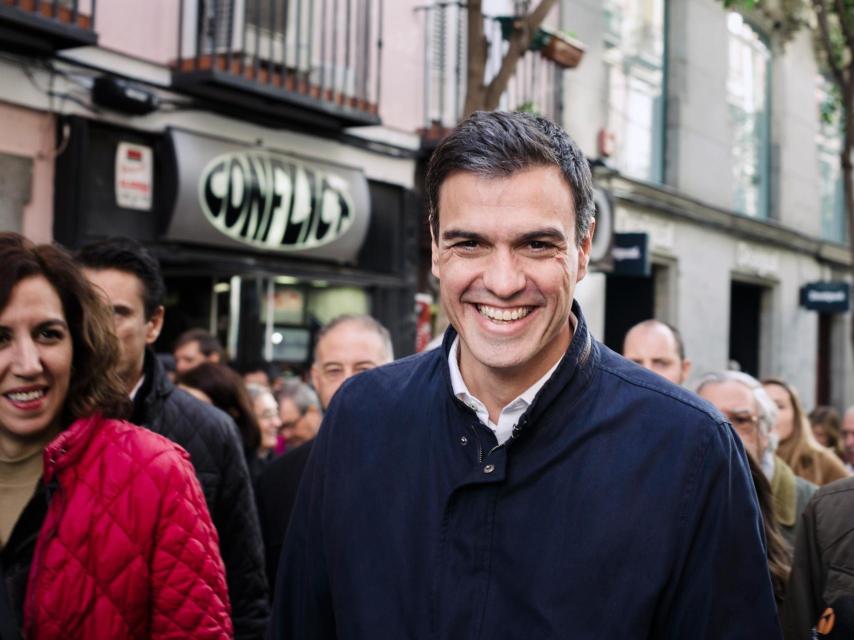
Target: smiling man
522, 481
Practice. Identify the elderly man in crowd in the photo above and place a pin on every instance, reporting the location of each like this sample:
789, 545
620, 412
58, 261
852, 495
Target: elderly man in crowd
752, 413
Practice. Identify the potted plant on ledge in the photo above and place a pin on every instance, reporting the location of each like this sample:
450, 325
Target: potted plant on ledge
561, 48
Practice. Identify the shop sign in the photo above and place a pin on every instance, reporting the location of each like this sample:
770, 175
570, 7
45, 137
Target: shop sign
631, 255
274, 202
826, 297
252, 198
134, 176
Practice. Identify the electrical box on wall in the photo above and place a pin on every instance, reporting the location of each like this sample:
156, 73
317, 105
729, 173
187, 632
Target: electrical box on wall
109, 182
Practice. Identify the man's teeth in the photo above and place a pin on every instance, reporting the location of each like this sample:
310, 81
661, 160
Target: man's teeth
26, 396
505, 315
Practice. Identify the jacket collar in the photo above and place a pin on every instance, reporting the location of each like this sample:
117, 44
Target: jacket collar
157, 385
785, 493
571, 377
67, 448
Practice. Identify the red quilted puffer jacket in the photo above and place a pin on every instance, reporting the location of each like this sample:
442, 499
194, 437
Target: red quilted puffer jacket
127, 548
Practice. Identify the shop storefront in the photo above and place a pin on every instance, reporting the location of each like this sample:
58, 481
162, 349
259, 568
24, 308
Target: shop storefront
260, 245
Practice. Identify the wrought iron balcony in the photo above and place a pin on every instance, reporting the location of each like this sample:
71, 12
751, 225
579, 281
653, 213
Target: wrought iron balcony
536, 86
309, 62
44, 26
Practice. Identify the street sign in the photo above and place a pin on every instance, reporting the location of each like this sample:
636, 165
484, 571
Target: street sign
631, 255
826, 297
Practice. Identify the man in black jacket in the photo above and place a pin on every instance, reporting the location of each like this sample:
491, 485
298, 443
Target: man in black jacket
347, 345
820, 598
130, 279
523, 481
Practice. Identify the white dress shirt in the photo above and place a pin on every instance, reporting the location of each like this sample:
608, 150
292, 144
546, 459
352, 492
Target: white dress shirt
510, 414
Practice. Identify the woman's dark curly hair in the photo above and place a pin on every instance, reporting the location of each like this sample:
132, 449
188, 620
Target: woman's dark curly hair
95, 386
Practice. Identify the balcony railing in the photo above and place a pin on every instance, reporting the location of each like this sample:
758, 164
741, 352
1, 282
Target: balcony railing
44, 26
310, 61
535, 87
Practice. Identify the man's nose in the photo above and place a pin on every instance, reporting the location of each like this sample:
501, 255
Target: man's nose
26, 362
503, 276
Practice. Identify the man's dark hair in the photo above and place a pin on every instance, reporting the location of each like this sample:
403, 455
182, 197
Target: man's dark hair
495, 144
208, 344
124, 254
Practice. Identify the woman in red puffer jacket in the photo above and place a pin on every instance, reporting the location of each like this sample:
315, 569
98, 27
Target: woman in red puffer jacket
104, 532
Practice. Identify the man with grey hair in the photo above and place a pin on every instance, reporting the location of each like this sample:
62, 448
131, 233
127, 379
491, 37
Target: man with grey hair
300, 411
347, 345
751, 412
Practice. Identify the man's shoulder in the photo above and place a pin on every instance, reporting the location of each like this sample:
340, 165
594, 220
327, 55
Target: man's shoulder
182, 408
838, 494
207, 433
654, 391
419, 374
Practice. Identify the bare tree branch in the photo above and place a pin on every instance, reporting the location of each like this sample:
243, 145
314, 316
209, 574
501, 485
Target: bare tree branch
477, 51
519, 42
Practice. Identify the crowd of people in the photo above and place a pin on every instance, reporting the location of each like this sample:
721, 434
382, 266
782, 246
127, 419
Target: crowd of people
109, 530
791, 455
519, 480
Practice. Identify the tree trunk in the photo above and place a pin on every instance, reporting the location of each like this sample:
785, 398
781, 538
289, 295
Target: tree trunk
477, 52
847, 177
478, 94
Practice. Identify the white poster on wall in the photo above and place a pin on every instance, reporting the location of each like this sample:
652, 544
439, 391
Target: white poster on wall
134, 176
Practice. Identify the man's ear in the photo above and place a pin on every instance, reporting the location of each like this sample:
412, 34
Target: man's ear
155, 325
314, 372
584, 251
686, 369
434, 254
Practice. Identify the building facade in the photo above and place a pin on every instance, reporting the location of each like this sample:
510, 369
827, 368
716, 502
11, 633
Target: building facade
241, 142
271, 155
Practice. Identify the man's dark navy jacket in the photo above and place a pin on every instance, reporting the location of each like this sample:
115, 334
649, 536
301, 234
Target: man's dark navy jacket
621, 508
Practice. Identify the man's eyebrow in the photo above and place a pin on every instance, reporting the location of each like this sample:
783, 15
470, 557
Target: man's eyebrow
460, 234
546, 233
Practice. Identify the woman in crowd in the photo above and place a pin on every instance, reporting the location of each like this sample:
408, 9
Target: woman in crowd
798, 447
226, 390
267, 413
103, 526
778, 550
827, 429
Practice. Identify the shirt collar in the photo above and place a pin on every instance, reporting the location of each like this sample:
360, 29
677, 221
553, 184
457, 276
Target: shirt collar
524, 399
137, 387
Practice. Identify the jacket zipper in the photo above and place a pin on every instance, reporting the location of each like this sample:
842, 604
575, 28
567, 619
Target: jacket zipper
55, 494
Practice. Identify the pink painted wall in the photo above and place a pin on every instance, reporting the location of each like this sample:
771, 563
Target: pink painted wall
402, 66
28, 133
146, 30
